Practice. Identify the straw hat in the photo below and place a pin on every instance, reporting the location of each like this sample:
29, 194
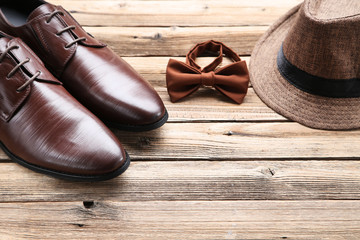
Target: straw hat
307, 65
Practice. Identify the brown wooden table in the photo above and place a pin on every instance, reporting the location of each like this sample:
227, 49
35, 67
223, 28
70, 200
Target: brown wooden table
216, 170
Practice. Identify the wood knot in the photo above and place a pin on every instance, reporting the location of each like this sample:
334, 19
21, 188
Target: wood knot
157, 36
208, 79
144, 141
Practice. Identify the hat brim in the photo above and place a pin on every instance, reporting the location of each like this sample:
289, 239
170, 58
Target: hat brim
284, 98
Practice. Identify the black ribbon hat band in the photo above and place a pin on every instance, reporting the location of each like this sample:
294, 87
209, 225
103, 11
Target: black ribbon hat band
334, 88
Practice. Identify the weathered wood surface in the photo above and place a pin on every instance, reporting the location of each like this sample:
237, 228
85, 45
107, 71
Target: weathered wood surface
193, 181
240, 141
174, 41
177, 13
217, 170
182, 220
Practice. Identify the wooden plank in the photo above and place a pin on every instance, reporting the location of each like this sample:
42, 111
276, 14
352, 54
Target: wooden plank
193, 181
182, 220
177, 13
240, 141
174, 41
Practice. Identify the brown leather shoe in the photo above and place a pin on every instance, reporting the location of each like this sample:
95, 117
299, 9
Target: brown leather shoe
44, 128
90, 71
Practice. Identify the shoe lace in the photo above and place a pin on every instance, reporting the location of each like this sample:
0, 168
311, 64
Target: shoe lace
72, 27
19, 65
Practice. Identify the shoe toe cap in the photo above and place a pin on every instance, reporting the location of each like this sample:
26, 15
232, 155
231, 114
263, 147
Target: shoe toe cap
87, 149
98, 153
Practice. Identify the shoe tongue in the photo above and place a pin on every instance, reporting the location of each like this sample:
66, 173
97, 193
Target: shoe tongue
41, 10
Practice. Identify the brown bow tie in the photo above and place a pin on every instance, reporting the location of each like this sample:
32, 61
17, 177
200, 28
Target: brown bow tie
183, 79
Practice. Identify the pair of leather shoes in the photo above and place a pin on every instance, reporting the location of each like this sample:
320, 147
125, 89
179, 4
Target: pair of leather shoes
54, 79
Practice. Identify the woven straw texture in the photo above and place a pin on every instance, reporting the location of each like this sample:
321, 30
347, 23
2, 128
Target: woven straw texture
284, 98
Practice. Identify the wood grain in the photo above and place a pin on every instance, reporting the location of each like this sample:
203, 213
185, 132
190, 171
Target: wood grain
208, 105
174, 41
217, 170
177, 13
193, 181
241, 141
182, 220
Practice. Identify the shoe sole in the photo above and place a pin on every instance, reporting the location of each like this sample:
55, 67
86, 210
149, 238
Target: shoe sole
139, 128
67, 176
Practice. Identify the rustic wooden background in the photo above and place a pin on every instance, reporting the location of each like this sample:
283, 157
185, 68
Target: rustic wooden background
216, 170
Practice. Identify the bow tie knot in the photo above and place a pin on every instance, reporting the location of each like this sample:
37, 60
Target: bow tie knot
208, 79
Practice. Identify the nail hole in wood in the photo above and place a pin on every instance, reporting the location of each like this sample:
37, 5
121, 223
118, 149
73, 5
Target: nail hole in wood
229, 133
88, 204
